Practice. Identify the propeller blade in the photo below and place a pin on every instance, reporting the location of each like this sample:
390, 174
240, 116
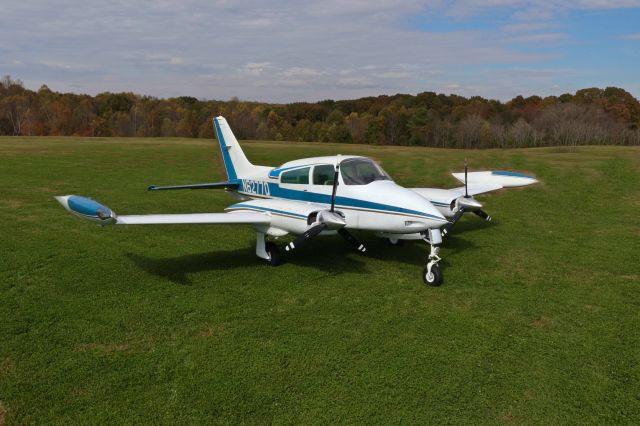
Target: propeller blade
307, 235
466, 188
352, 240
483, 215
456, 217
335, 187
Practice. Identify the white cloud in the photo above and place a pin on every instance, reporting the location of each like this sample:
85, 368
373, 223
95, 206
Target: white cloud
356, 82
520, 27
303, 72
538, 38
160, 58
257, 68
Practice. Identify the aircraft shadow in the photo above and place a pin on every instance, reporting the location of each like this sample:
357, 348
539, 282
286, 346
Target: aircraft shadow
329, 255
331, 259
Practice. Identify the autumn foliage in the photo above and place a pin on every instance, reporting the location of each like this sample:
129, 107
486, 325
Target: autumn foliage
590, 116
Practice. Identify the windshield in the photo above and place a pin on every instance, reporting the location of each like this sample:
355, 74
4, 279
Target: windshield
361, 171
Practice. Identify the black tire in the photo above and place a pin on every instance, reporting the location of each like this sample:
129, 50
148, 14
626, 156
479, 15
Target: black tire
436, 279
397, 243
275, 258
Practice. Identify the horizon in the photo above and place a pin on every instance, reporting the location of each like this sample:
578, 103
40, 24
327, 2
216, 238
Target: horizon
289, 52
15, 80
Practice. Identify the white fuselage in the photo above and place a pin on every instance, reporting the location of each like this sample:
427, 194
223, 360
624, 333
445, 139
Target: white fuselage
380, 206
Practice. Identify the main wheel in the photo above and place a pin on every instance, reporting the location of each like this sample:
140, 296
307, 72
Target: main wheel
274, 253
434, 278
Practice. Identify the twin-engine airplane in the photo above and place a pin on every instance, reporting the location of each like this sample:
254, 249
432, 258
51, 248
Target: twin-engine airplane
323, 195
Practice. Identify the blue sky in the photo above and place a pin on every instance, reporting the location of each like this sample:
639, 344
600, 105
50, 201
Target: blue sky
282, 51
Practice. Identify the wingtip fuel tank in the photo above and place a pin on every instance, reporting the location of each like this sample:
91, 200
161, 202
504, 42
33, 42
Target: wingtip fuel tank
88, 209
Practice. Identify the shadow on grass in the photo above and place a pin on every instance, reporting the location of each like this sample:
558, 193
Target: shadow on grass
176, 268
329, 255
330, 258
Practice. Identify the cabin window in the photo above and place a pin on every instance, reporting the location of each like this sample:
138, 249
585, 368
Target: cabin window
361, 171
323, 174
298, 176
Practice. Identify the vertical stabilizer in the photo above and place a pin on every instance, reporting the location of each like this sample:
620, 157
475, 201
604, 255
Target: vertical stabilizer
235, 162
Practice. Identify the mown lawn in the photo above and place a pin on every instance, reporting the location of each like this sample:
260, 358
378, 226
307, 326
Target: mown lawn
538, 321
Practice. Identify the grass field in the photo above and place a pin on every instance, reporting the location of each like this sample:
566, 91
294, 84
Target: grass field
538, 321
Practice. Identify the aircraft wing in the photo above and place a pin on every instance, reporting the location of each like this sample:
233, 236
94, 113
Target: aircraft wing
91, 210
506, 179
481, 182
477, 189
250, 218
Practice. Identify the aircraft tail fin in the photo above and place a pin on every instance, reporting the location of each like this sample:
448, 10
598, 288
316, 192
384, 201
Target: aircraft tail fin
235, 162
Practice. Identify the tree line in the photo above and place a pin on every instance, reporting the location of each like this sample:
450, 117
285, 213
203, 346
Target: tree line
590, 116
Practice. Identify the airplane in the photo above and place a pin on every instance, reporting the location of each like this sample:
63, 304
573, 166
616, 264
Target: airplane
323, 196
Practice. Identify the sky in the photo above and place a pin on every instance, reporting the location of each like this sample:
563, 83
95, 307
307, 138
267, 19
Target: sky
287, 51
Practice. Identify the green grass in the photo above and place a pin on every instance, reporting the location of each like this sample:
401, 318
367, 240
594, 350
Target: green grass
538, 321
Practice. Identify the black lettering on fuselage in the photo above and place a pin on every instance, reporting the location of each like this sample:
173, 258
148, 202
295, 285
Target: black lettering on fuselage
255, 187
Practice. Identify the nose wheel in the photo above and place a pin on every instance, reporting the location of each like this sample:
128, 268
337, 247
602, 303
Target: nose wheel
432, 277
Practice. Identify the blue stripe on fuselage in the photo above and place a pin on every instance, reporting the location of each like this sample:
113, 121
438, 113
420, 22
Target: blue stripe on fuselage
276, 191
228, 164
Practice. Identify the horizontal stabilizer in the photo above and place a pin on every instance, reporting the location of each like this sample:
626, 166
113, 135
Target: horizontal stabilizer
213, 185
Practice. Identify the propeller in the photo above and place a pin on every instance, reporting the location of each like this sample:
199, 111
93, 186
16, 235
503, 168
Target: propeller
466, 204
307, 235
483, 215
335, 187
352, 240
466, 188
329, 220
456, 217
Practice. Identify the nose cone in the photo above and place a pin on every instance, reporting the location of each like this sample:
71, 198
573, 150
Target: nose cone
417, 208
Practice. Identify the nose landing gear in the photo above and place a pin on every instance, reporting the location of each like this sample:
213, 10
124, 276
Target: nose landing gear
432, 274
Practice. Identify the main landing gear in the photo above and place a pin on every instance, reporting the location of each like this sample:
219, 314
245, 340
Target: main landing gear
432, 274
267, 250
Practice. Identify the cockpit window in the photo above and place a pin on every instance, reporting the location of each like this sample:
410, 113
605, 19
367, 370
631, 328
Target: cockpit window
297, 176
323, 174
361, 171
